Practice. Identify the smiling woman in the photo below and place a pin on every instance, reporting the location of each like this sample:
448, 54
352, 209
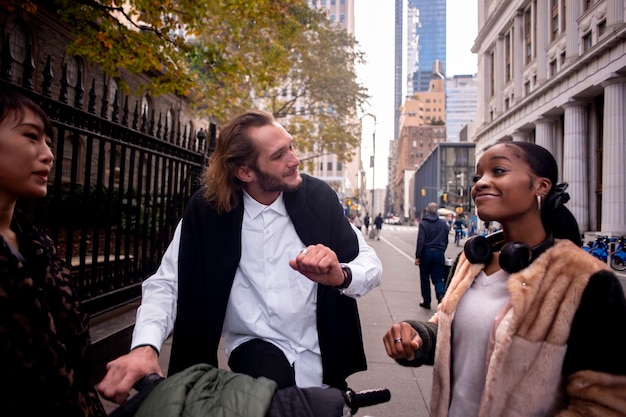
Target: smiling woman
525, 309
44, 336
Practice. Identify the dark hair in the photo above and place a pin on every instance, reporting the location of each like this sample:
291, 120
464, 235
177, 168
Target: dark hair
234, 148
556, 218
14, 102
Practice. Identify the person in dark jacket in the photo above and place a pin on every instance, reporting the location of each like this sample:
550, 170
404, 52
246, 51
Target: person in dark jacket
44, 333
264, 257
432, 241
378, 223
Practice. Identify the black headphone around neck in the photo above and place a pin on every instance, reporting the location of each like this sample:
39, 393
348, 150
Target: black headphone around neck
514, 256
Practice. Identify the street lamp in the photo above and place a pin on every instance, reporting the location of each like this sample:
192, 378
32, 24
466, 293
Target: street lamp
372, 160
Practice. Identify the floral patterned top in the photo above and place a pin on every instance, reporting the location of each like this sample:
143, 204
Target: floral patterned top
44, 334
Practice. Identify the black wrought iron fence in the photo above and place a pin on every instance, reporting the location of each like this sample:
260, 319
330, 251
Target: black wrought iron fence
118, 186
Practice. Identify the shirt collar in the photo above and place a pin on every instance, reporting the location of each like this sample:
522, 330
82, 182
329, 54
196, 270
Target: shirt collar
254, 209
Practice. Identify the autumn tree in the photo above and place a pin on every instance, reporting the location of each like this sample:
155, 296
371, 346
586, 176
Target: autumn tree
225, 55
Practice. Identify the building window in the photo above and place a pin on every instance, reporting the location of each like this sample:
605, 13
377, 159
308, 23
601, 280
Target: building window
329, 166
146, 107
339, 166
321, 166
168, 134
19, 42
587, 43
66, 164
112, 95
529, 32
554, 14
74, 73
588, 3
527, 88
508, 57
601, 28
492, 69
552, 68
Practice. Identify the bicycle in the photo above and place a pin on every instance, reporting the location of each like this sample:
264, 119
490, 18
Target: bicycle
599, 248
618, 256
286, 402
459, 233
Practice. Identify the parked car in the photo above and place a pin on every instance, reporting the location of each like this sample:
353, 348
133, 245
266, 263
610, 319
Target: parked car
393, 220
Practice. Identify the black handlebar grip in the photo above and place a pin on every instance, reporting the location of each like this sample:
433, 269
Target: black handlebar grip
366, 398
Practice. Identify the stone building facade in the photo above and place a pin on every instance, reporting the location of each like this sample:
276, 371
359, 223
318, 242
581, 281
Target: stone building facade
553, 72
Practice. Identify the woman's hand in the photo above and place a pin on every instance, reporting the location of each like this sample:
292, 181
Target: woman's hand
401, 341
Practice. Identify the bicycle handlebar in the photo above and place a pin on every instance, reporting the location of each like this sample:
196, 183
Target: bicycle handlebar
365, 398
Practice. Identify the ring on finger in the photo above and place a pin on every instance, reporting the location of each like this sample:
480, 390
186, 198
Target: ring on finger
397, 340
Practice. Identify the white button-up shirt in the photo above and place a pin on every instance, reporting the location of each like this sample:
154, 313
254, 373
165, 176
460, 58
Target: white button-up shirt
268, 300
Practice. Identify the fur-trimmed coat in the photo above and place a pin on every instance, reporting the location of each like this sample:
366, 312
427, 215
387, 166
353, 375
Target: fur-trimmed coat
557, 349
44, 334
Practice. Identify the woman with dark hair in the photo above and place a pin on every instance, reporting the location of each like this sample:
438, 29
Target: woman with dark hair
44, 335
531, 325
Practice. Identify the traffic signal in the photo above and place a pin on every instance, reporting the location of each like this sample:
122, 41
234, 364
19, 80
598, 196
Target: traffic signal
423, 192
445, 196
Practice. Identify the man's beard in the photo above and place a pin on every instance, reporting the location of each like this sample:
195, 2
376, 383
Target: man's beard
270, 183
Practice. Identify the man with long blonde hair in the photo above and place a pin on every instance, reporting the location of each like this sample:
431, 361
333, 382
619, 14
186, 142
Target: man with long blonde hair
263, 256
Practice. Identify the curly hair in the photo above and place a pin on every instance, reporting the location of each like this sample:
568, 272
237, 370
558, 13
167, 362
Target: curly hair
234, 148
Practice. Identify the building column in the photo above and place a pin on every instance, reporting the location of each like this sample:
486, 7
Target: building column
519, 136
499, 74
575, 161
613, 157
544, 134
614, 12
543, 39
572, 13
518, 55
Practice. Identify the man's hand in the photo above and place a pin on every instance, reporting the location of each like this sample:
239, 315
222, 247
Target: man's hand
401, 341
125, 371
417, 261
319, 263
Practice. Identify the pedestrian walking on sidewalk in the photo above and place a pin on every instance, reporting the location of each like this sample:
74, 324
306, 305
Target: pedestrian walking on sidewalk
44, 333
366, 222
263, 256
358, 222
378, 223
531, 324
432, 241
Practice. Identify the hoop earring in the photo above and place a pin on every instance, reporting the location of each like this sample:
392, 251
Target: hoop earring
539, 200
